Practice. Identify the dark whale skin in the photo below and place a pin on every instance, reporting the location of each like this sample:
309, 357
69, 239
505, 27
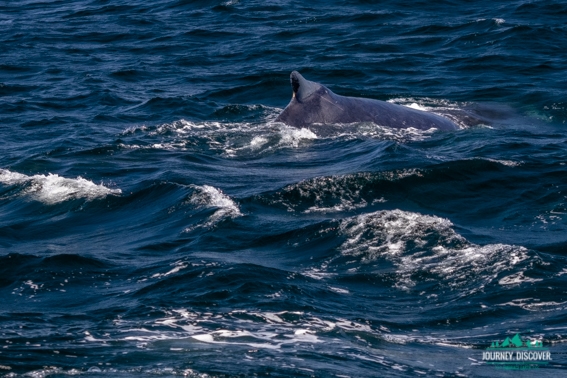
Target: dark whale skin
313, 103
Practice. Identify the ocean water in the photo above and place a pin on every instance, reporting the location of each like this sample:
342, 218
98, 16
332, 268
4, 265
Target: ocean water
156, 221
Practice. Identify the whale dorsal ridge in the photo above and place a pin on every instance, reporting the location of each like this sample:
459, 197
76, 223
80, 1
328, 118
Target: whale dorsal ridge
301, 87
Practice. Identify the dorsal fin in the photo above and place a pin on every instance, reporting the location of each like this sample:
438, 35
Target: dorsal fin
301, 87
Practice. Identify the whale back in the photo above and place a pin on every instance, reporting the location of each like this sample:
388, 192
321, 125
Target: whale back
313, 103
302, 88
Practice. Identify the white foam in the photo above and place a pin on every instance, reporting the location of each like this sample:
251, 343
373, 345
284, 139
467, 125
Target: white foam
517, 278
286, 332
258, 141
31, 285
109, 372
292, 137
339, 290
508, 163
183, 127
232, 139
207, 196
390, 231
210, 196
272, 317
425, 103
535, 304
414, 105
345, 205
260, 330
374, 131
179, 265
317, 274
52, 189
133, 129
416, 242
228, 138
206, 338
401, 174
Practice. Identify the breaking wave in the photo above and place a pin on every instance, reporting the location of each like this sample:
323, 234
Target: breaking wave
52, 189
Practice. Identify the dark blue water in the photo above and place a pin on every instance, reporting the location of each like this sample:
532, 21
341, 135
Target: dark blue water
156, 221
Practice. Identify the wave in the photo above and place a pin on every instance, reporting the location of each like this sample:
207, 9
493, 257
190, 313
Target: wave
207, 196
424, 247
253, 139
332, 193
225, 138
52, 189
34, 277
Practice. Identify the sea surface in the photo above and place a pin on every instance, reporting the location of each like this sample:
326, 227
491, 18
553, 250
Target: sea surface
155, 220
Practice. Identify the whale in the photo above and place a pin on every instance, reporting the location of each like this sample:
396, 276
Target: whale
315, 104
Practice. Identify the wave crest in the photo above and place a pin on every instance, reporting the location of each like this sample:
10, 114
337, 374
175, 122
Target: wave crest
52, 189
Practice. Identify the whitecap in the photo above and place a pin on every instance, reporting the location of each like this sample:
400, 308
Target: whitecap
178, 266
291, 136
52, 188
415, 242
207, 196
